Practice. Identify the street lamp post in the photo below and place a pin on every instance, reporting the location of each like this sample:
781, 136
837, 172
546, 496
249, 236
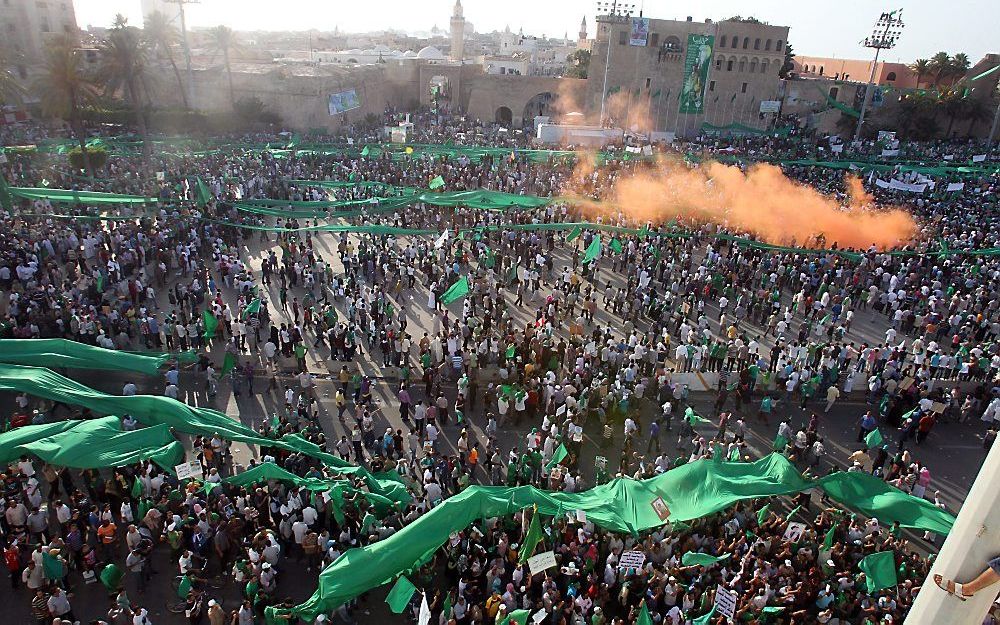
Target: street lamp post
614, 12
884, 35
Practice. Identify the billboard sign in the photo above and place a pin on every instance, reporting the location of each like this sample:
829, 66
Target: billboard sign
697, 61
343, 102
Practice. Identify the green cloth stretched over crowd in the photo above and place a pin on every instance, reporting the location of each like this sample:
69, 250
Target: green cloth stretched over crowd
92, 444
74, 355
156, 409
690, 491
69, 196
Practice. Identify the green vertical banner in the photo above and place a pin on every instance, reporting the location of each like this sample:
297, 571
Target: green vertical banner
697, 61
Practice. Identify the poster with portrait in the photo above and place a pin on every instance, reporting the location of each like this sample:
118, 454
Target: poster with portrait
639, 32
343, 101
697, 62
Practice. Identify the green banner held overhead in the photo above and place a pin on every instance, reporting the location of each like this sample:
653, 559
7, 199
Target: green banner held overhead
211, 324
697, 62
874, 439
593, 250
400, 595
880, 570
436, 183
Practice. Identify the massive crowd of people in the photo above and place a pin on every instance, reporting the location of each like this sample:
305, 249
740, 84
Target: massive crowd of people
545, 349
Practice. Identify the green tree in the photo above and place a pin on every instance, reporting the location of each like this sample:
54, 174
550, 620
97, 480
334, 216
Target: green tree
579, 64
960, 65
123, 69
161, 37
940, 66
787, 65
11, 90
976, 111
953, 105
64, 88
224, 41
920, 67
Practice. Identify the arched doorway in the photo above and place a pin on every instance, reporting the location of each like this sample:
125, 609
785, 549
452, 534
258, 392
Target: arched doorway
504, 116
440, 92
539, 104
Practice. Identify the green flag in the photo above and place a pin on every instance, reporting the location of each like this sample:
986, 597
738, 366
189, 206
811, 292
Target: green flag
100, 281
446, 610
228, 363
6, 202
512, 275
365, 151
531, 539
616, 245
794, 511
593, 250
211, 323
558, 456
520, 617
202, 194
111, 577
873, 439
780, 442
880, 570
252, 308
644, 618
400, 595
692, 418
184, 587
136, 488
692, 558
574, 233
436, 183
456, 291
704, 620
275, 422
53, 567
490, 259
828, 541
511, 350
762, 514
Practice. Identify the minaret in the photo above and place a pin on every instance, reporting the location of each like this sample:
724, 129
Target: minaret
457, 32
583, 28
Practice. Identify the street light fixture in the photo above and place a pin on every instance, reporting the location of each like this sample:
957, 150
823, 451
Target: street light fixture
610, 13
885, 34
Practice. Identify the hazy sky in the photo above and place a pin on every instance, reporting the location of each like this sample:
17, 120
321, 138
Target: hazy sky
827, 29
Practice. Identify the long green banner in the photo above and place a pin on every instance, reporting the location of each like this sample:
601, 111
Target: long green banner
155, 410
624, 505
92, 444
73, 355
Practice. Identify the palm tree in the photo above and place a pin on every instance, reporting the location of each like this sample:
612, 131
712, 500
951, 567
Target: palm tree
976, 111
11, 89
123, 69
161, 37
225, 42
940, 65
954, 106
960, 65
64, 89
920, 67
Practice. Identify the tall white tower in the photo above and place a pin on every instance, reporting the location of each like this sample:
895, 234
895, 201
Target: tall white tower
583, 29
457, 32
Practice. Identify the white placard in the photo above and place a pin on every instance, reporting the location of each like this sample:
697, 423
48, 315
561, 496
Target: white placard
956, 186
542, 561
632, 560
189, 470
539, 616
837, 149
770, 106
561, 410
581, 516
794, 532
978, 158
725, 602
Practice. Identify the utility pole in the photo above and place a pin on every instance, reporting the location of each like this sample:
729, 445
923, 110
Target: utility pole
886, 32
187, 47
615, 12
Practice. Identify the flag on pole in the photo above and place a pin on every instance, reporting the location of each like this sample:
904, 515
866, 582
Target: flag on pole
593, 250
531, 539
880, 570
705, 620
365, 151
436, 183
874, 439
616, 245
693, 418
828, 541
425, 612
520, 617
400, 595
574, 233
558, 456
644, 618
762, 514
456, 291
211, 323
691, 558
202, 194
228, 363
441, 240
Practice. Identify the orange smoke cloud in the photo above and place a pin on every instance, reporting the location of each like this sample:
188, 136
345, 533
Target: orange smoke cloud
762, 202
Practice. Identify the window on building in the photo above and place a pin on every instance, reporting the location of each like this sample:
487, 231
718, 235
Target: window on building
763, 66
847, 76
756, 43
746, 42
833, 92
820, 70
654, 39
778, 47
743, 89
647, 83
736, 42
722, 42
623, 38
753, 66
767, 45
711, 85
891, 76
743, 65
44, 26
729, 65
718, 61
